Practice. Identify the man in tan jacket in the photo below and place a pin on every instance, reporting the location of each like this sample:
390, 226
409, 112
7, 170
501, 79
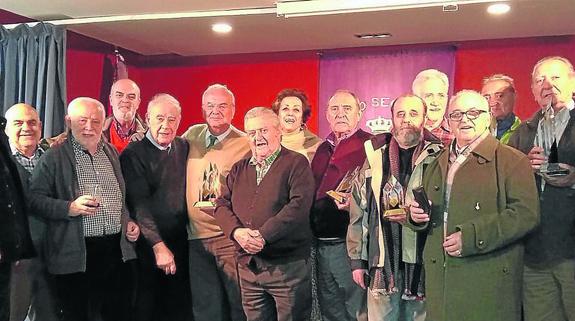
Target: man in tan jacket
214, 147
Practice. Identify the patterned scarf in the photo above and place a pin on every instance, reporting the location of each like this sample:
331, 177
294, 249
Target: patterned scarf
384, 278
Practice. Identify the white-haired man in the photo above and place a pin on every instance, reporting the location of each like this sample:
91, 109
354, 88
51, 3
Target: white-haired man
78, 188
432, 86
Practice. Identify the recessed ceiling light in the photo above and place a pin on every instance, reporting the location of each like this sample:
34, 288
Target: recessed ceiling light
372, 35
221, 27
498, 8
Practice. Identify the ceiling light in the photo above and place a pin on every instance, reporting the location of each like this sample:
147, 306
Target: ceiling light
498, 8
372, 35
221, 27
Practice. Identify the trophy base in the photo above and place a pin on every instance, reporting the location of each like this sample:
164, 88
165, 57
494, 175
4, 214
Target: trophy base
394, 212
336, 196
553, 170
205, 205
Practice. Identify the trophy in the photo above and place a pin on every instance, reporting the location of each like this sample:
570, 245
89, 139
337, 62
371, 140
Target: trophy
344, 186
546, 139
393, 198
210, 188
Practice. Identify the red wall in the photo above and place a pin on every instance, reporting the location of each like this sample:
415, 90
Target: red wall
514, 57
254, 82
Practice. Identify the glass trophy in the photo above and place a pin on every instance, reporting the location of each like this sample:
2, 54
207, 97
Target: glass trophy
344, 186
210, 188
546, 139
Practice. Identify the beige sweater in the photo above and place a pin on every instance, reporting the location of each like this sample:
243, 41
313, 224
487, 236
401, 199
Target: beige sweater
224, 154
303, 142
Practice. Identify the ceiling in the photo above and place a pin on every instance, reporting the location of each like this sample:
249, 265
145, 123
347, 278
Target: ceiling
270, 33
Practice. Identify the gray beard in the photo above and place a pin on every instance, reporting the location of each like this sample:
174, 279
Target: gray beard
409, 137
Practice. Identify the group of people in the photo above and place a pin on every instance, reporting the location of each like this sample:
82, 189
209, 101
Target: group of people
120, 219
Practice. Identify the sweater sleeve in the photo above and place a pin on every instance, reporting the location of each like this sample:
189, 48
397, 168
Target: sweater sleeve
139, 195
42, 187
296, 212
224, 212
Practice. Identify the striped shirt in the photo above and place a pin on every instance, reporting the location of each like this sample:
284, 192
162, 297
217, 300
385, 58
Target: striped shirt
263, 168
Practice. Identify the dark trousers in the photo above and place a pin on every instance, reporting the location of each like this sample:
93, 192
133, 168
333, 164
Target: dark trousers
5, 268
279, 292
100, 292
162, 297
214, 280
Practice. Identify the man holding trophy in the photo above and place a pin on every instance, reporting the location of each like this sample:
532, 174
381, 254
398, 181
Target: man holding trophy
548, 139
214, 147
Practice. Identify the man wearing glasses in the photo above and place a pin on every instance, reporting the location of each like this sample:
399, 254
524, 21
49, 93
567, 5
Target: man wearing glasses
483, 200
499, 90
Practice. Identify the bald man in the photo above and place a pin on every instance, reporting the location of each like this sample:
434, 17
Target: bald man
31, 289
79, 189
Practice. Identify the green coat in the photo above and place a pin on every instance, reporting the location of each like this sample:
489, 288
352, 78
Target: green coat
493, 203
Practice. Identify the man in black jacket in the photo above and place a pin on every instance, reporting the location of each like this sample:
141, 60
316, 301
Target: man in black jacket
155, 173
15, 242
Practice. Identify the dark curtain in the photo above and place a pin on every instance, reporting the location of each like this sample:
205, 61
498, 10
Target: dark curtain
33, 71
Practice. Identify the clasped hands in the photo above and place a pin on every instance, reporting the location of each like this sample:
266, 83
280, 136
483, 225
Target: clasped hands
250, 240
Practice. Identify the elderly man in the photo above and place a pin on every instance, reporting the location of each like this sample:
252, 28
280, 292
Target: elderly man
214, 147
499, 90
15, 242
155, 173
264, 209
432, 86
339, 297
379, 248
549, 286
32, 287
78, 188
483, 200
124, 125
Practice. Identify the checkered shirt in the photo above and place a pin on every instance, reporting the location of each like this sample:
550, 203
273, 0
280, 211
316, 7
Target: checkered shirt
97, 169
263, 168
27, 163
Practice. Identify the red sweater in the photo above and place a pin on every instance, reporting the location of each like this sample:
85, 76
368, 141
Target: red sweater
278, 207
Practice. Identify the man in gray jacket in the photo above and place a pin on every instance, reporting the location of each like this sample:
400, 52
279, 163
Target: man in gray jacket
79, 189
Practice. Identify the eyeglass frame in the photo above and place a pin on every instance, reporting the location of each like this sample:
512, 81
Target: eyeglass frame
466, 114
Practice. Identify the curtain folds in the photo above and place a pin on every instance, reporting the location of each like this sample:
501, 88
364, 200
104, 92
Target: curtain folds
33, 71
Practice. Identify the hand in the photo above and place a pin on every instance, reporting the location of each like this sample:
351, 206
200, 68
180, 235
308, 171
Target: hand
132, 231
453, 244
83, 205
250, 240
358, 276
416, 213
164, 258
562, 181
59, 140
343, 206
536, 157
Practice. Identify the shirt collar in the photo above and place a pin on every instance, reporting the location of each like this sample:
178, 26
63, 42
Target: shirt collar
120, 130
78, 147
269, 160
37, 153
158, 146
331, 137
220, 137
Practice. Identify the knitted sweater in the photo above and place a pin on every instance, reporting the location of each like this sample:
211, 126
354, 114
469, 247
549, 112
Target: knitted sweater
278, 207
224, 154
156, 188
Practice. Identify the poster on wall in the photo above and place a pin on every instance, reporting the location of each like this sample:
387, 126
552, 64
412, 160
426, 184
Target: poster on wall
377, 78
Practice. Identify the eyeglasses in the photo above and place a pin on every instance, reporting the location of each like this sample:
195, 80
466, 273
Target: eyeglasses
471, 114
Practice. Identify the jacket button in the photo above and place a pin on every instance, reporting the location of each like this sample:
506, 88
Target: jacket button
481, 242
505, 270
436, 188
434, 224
433, 260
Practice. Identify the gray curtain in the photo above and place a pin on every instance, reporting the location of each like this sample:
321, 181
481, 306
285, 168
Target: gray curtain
33, 71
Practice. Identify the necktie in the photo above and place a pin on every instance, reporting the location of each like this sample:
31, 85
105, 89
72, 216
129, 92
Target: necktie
213, 140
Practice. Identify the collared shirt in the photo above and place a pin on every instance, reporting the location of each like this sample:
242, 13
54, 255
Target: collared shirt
120, 131
160, 147
334, 142
263, 167
561, 119
27, 162
219, 138
97, 169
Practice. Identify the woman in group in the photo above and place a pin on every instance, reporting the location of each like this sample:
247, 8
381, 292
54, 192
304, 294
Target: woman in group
293, 109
